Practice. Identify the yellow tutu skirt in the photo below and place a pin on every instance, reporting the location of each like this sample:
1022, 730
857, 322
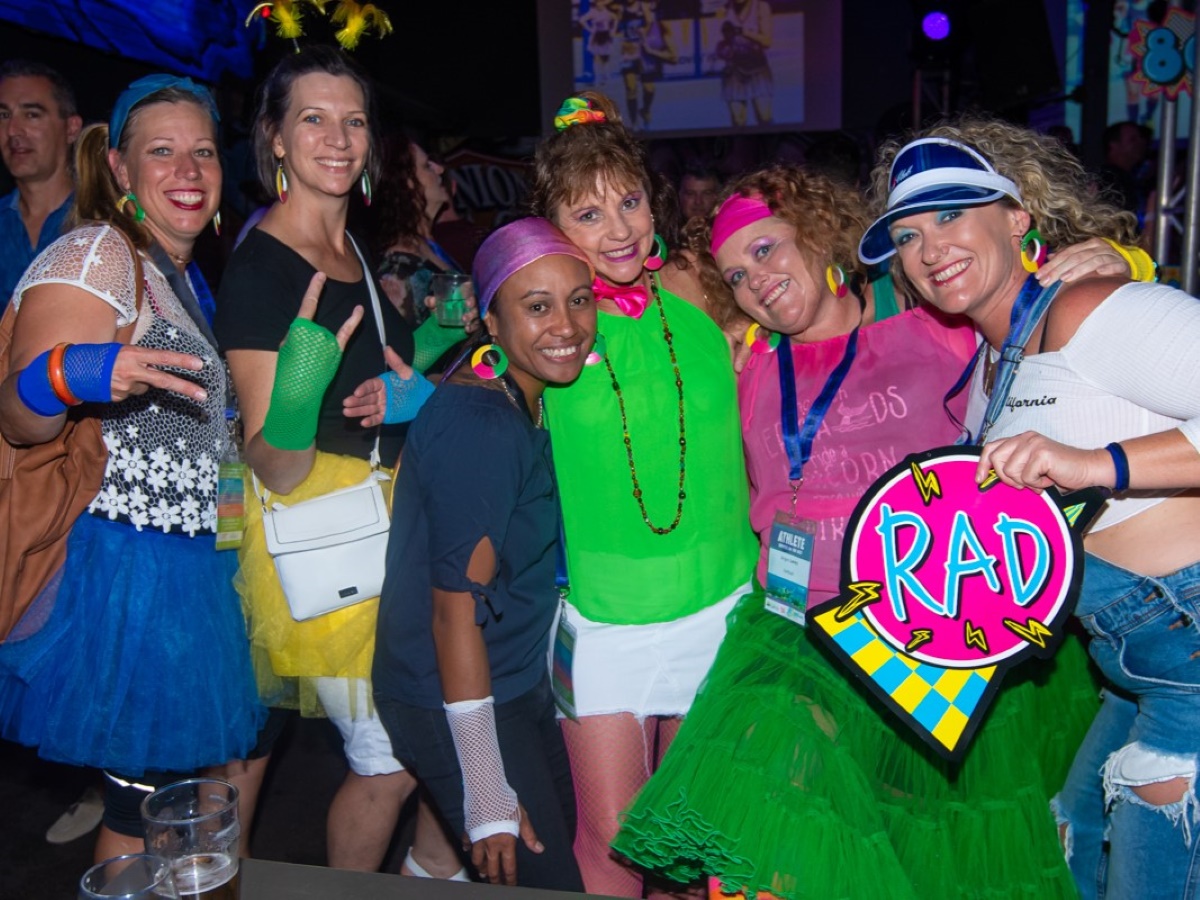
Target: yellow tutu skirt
289, 654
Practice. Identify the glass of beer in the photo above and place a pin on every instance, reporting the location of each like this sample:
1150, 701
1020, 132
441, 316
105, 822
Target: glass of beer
138, 876
194, 824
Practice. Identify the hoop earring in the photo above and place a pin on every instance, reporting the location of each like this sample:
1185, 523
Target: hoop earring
1031, 262
759, 340
489, 362
281, 182
138, 213
657, 256
216, 223
364, 184
835, 277
599, 348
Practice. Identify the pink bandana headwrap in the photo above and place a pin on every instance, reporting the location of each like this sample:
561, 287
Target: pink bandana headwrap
735, 214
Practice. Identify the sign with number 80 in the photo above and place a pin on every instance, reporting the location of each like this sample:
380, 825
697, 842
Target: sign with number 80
1166, 54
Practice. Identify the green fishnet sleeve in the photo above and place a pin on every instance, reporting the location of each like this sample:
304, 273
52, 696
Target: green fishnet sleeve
432, 340
307, 362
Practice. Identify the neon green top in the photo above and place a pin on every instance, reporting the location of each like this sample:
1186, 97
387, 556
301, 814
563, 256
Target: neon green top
621, 572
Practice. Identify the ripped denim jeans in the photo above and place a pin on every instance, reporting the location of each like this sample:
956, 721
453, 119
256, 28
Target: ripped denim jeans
1146, 640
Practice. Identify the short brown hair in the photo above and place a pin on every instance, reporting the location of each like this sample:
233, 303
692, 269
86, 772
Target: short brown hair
567, 165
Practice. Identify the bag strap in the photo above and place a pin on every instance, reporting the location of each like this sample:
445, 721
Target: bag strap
378, 311
125, 332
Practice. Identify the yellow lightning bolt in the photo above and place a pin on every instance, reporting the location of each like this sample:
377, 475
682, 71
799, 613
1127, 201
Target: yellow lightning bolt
974, 636
863, 594
990, 480
1032, 631
918, 637
927, 483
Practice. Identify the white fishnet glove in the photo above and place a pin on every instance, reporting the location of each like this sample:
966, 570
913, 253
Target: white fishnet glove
489, 804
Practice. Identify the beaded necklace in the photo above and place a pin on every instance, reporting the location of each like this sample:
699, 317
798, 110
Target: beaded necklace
541, 416
637, 488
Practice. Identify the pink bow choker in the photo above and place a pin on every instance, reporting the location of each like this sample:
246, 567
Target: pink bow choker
631, 300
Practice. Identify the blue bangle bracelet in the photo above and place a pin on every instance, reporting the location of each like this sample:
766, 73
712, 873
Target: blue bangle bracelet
35, 390
1121, 464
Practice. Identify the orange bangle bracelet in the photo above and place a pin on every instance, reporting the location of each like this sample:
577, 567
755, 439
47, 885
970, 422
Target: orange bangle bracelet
58, 377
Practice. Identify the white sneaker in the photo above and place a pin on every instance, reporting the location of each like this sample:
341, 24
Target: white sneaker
81, 818
416, 870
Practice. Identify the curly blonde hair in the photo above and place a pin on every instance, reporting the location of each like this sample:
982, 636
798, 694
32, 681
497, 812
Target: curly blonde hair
829, 218
1056, 189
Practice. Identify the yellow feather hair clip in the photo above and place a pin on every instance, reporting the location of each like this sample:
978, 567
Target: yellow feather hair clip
358, 20
286, 15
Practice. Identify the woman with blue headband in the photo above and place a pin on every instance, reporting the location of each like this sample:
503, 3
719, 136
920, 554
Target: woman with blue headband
460, 664
134, 659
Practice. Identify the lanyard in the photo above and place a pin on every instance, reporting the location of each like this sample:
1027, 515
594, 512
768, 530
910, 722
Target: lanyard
1028, 309
204, 297
796, 441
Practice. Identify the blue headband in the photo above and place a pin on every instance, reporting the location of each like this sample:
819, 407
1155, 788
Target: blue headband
143, 88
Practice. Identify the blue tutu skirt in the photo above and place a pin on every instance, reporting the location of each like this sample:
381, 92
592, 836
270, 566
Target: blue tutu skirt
134, 658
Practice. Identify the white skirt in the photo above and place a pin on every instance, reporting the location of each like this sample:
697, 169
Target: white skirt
647, 670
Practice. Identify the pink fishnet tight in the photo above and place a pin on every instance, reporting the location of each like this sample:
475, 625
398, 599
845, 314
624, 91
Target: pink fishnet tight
611, 758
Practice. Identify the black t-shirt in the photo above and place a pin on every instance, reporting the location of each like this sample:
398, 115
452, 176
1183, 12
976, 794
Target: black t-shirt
474, 466
260, 295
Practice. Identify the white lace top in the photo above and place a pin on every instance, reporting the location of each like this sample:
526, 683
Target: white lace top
163, 449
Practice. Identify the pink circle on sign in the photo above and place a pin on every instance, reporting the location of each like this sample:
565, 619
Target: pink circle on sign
954, 570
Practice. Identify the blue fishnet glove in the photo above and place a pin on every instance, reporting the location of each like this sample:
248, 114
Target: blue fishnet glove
405, 396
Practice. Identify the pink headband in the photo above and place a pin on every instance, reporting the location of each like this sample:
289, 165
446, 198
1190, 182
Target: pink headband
735, 214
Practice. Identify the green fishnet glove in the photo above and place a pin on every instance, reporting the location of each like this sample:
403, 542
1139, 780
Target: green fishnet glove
307, 362
432, 340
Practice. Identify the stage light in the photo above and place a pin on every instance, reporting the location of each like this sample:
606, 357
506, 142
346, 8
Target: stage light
937, 34
936, 26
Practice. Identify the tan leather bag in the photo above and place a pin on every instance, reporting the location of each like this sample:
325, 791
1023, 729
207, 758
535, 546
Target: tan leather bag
44, 488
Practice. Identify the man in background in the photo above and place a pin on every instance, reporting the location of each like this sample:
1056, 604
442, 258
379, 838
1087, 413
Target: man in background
1126, 149
39, 123
698, 189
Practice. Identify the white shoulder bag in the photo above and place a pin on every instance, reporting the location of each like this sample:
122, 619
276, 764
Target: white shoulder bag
330, 551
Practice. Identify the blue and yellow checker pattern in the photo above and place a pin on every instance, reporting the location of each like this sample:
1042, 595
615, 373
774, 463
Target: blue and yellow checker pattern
938, 701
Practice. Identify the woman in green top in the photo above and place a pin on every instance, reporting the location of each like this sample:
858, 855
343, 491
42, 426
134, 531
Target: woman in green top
648, 452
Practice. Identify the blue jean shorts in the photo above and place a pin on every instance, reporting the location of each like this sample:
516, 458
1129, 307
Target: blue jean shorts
1146, 640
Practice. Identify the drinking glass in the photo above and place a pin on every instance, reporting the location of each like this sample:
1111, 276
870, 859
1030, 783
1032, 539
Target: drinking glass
450, 292
138, 876
194, 824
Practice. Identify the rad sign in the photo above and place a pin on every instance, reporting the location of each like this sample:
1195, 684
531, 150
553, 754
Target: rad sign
947, 583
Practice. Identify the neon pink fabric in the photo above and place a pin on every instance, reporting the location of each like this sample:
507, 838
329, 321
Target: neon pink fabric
735, 214
890, 405
631, 299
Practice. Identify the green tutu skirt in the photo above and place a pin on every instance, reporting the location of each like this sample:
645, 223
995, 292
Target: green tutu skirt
788, 778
